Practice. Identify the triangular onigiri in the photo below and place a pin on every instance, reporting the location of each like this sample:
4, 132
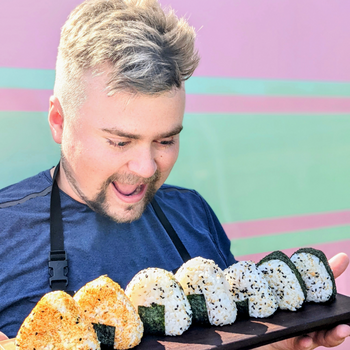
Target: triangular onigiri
56, 322
104, 302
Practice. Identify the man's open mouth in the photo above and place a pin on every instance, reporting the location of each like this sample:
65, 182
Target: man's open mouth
129, 193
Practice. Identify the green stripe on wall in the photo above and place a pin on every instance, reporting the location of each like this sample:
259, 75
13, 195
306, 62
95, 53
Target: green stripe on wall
22, 78
250, 167
229, 86
26, 146
262, 244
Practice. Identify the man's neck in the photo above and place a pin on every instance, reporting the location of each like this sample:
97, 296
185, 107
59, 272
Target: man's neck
64, 185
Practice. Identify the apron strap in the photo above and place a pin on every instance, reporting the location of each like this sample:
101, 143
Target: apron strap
58, 264
171, 232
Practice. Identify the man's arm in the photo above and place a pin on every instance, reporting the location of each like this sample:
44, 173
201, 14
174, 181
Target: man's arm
328, 338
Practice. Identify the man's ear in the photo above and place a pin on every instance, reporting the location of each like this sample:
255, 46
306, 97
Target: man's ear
56, 119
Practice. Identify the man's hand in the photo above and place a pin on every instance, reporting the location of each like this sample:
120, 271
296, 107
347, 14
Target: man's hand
327, 338
2, 336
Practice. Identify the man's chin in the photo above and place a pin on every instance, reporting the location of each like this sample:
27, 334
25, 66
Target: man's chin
126, 214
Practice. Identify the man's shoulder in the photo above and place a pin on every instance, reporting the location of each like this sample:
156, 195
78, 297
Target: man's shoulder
174, 193
31, 187
173, 190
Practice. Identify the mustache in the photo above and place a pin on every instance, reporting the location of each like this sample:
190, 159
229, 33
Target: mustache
132, 179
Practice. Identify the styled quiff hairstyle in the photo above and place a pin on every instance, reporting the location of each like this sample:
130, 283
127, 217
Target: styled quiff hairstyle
140, 47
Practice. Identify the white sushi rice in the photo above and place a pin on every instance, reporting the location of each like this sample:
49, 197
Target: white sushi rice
284, 284
319, 284
155, 285
247, 282
203, 276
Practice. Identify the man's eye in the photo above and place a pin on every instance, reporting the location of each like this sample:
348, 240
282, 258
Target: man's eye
117, 144
167, 143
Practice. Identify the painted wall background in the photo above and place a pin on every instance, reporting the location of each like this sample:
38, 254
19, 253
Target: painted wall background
266, 138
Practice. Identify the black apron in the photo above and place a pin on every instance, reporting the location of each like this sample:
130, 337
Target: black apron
58, 263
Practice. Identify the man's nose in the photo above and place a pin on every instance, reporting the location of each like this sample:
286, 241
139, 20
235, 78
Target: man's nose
143, 163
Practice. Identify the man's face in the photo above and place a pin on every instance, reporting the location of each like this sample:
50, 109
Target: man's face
118, 150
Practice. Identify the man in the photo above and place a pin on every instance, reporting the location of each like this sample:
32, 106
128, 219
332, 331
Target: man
117, 112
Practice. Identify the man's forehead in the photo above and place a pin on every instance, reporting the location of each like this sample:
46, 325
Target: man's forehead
134, 114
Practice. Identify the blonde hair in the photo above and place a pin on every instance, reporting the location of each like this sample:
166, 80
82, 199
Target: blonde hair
146, 50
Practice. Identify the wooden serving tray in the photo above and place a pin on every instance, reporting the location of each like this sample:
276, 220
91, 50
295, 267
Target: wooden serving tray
250, 333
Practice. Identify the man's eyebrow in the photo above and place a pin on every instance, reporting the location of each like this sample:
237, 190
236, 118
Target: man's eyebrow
121, 133
174, 132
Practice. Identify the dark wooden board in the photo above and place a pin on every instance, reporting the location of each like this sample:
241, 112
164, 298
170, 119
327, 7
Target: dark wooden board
252, 333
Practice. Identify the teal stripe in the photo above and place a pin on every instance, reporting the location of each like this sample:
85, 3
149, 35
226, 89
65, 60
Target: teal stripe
22, 78
263, 244
229, 86
250, 167
26, 146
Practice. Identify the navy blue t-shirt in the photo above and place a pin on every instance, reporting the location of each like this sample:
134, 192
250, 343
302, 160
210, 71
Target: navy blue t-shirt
95, 244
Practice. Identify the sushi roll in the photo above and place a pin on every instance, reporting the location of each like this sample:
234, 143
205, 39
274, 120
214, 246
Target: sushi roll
113, 316
250, 290
316, 273
161, 302
208, 291
56, 322
284, 280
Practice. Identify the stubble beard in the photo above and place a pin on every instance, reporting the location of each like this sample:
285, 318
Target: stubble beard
100, 204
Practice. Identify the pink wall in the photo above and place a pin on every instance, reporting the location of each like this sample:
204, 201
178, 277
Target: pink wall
250, 39
29, 32
302, 40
